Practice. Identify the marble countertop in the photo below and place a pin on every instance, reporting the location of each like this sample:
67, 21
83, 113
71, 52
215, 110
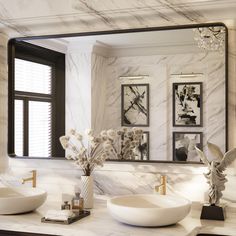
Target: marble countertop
101, 223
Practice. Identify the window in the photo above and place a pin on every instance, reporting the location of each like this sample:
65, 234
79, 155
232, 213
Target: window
36, 100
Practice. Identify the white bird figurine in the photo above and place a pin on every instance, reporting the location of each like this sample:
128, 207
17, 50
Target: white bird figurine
215, 177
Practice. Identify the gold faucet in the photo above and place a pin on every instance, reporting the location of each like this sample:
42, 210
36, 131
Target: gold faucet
33, 178
161, 189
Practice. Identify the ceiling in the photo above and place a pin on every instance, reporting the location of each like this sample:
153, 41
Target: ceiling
125, 40
26, 17
154, 38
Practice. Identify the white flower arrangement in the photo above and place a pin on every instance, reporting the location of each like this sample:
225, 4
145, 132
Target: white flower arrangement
86, 156
125, 143
110, 144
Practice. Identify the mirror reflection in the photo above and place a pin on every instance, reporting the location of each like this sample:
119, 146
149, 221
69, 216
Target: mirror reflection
169, 83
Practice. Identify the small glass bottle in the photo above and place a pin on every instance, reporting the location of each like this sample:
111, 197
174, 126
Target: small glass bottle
81, 204
77, 202
65, 206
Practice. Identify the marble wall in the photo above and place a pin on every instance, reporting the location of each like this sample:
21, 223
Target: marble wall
78, 16
3, 102
159, 68
78, 88
98, 91
60, 176
102, 72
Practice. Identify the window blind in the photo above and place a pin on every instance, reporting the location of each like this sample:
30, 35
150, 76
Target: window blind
40, 129
33, 112
18, 127
32, 77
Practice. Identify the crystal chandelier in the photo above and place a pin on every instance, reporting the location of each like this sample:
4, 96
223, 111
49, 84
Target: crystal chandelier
210, 38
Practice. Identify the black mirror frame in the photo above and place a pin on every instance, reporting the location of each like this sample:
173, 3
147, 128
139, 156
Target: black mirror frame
118, 31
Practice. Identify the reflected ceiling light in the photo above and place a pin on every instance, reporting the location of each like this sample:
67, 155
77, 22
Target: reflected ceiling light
210, 38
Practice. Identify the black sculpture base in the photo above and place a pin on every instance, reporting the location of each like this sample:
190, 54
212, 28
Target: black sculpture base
212, 212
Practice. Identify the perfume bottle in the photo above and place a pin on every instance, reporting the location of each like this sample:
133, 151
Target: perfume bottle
77, 201
65, 206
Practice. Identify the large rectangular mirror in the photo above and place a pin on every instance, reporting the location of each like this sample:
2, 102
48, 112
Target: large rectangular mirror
170, 82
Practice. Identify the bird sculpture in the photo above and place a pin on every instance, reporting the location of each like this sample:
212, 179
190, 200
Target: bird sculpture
215, 177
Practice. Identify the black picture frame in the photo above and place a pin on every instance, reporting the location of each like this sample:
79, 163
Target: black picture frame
186, 151
140, 102
188, 99
143, 148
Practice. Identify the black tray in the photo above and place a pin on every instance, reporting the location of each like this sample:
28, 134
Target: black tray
17, 233
70, 220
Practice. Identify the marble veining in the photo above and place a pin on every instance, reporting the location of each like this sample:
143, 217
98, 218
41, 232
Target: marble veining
78, 89
99, 64
26, 18
161, 95
101, 223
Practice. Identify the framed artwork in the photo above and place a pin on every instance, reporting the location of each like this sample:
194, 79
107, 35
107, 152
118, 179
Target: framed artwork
142, 151
184, 146
135, 105
187, 104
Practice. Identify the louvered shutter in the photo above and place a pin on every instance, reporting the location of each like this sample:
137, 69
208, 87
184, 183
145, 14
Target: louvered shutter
33, 81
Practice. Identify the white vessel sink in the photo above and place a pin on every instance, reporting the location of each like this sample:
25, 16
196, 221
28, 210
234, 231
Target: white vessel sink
149, 209
17, 200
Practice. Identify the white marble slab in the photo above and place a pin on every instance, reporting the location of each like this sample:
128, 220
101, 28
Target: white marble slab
25, 18
102, 224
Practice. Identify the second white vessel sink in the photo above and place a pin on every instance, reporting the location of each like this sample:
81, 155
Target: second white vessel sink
149, 209
17, 200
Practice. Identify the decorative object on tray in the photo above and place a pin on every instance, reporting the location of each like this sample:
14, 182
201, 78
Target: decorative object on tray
187, 104
109, 143
184, 146
216, 179
64, 217
77, 200
135, 105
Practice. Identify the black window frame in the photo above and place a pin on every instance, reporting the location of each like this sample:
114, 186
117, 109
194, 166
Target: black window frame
37, 54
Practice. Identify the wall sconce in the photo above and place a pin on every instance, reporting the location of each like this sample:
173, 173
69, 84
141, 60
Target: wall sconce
187, 75
134, 77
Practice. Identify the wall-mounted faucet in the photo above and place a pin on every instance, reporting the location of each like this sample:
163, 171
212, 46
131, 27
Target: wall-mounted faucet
161, 189
33, 178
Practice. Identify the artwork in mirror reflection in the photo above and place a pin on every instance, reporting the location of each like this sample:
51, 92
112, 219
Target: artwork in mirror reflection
187, 104
184, 146
100, 67
135, 110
